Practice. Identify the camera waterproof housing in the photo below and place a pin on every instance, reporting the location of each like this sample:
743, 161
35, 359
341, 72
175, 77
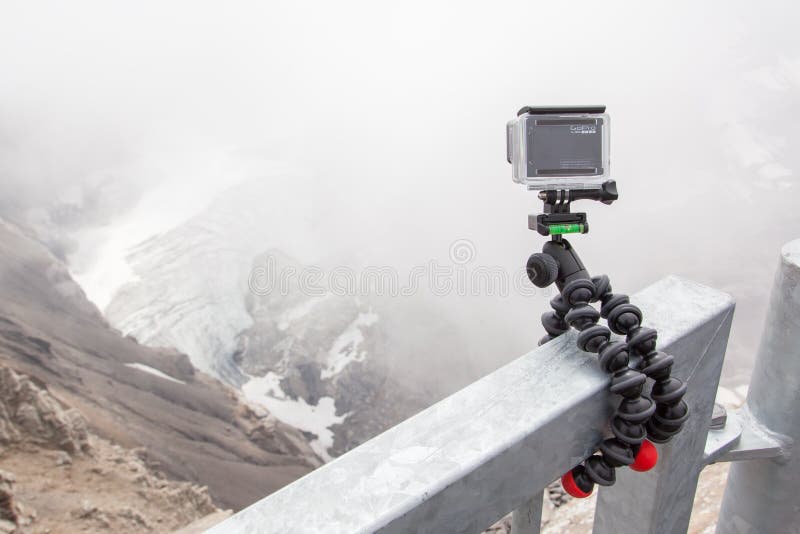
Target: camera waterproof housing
558, 148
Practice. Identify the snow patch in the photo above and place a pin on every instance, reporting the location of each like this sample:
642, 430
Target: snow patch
347, 347
269, 385
153, 371
316, 419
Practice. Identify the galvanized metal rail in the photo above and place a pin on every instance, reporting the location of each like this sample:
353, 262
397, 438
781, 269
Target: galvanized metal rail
494, 446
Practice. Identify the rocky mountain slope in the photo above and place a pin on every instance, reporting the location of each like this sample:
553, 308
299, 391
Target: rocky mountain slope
190, 425
339, 365
56, 476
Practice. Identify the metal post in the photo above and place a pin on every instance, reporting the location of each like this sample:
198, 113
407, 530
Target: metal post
527, 519
762, 495
660, 500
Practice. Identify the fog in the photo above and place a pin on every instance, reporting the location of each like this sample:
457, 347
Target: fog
385, 124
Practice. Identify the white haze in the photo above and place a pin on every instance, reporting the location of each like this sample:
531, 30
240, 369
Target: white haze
387, 120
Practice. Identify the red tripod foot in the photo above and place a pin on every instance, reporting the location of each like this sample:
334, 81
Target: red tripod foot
571, 487
646, 458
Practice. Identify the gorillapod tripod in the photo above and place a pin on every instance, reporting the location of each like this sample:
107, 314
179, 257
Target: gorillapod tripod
638, 421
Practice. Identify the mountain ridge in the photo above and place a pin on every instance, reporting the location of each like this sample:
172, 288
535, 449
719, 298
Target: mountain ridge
199, 430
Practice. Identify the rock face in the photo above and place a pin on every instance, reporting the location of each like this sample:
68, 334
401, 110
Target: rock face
27, 410
56, 462
12, 513
65, 479
194, 427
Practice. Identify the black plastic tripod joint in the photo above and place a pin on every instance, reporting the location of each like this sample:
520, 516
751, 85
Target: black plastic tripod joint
557, 263
606, 193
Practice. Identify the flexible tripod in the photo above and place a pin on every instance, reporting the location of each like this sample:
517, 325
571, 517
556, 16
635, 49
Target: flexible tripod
638, 420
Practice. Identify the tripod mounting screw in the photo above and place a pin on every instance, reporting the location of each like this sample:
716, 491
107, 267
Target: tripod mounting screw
542, 269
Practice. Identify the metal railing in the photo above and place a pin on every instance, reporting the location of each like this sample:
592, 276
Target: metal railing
494, 446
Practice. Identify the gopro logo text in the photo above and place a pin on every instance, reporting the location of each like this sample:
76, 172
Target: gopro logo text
583, 128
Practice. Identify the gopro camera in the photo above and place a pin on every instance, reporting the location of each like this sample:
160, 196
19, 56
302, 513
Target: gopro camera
554, 148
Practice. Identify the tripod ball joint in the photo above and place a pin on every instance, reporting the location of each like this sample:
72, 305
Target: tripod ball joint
578, 292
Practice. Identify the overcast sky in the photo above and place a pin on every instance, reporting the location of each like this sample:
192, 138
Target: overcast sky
388, 119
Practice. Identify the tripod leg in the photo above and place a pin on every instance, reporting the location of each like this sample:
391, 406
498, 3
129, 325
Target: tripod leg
553, 321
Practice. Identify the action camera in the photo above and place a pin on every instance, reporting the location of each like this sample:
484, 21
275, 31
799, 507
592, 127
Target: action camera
554, 148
